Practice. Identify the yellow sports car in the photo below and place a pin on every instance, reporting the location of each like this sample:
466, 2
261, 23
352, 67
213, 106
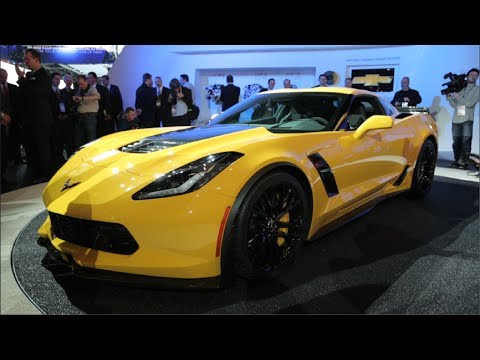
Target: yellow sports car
198, 206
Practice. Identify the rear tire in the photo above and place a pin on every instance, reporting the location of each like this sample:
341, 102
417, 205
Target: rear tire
270, 226
424, 170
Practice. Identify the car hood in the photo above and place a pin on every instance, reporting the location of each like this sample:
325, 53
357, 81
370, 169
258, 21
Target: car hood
146, 153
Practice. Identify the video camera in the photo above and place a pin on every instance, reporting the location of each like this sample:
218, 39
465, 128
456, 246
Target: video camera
456, 83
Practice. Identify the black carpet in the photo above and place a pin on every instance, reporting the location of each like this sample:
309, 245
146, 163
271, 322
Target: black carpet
403, 257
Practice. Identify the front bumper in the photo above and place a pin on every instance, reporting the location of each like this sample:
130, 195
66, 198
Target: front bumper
125, 278
176, 236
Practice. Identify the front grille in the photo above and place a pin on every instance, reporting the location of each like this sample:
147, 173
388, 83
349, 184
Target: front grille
98, 235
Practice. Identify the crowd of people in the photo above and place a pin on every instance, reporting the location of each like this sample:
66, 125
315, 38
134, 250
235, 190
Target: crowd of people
43, 125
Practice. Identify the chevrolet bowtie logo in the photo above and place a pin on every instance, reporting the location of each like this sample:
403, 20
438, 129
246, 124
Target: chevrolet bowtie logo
68, 186
372, 80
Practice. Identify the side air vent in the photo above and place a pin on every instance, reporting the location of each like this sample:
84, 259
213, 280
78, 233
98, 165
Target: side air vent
401, 177
325, 173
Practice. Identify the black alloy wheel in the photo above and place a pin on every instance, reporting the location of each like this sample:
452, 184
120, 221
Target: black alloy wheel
271, 225
424, 170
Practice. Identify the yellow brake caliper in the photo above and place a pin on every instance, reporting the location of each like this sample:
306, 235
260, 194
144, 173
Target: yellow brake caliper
285, 218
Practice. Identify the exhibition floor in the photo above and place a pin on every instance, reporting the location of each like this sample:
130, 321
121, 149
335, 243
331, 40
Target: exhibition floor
404, 257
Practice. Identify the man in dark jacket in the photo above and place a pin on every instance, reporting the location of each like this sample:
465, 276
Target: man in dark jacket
35, 114
162, 107
230, 94
116, 101
406, 96
129, 120
9, 94
145, 101
6, 110
68, 128
59, 108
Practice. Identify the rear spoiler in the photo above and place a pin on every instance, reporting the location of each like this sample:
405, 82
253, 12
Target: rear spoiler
412, 110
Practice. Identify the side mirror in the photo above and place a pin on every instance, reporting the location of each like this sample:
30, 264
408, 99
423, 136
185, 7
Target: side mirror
375, 122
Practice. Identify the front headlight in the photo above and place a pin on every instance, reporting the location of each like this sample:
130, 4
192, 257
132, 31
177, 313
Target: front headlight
189, 177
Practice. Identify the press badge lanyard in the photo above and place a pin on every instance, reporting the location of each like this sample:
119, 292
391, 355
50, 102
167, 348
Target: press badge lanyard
461, 109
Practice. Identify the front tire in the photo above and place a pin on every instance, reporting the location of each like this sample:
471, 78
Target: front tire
271, 225
424, 170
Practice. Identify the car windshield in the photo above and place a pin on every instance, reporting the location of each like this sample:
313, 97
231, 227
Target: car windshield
287, 112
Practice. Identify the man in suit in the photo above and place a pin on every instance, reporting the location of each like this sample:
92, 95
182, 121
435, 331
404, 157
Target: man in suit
185, 82
116, 101
68, 126
58, 107
322, 81
230, 94
35, 113
104, 119
271, 85
161, 104
9, 98
5, 120
145, 101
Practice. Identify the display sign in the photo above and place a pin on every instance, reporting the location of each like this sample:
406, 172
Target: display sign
59, 54
376, 80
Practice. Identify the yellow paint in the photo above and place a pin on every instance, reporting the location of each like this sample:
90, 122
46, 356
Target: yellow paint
177, 235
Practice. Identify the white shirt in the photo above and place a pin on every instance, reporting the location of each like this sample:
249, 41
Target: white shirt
182, 108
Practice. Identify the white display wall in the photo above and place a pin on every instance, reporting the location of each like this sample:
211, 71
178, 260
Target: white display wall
424, 64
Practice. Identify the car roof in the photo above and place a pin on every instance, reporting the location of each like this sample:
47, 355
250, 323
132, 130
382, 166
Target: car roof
323, 89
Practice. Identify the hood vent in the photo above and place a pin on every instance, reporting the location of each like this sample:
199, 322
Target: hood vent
150, 145
180, 137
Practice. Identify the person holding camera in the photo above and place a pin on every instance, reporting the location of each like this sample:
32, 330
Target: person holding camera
406, 97
464, 103
180, 100
86, 99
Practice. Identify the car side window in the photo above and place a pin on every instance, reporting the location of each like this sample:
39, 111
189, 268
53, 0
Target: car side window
362, 108
372, 106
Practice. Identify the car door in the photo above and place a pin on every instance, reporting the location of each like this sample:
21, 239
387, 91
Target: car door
372, 161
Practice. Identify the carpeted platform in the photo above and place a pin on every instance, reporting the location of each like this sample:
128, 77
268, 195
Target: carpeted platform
404, 257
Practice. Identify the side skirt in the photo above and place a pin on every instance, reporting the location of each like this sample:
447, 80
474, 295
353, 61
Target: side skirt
355, 214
